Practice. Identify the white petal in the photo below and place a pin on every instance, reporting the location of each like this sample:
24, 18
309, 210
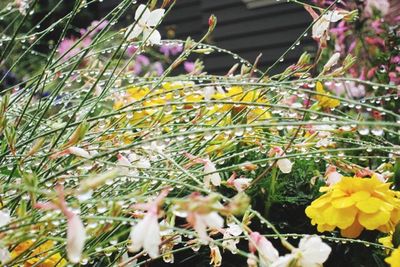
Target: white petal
142, 13
138, 234
332, 61
283, 261
314, 250
137, 30
285, 165
154, 38
4, 217
201, 229
155, 17
152, 240
333, 16
234, 229
213, 220
80, 152
319, 28
215, 179
267, 250
76, 236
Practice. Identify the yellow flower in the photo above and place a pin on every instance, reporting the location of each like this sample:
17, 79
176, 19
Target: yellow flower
394, 259
325, 101
42, 251
354, 204
387, 240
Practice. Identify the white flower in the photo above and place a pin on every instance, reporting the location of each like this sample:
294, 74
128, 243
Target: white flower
80, 152
76, 236
321, 26
146, 234
4, 217
312, 252
211, 174
229, 242
146, 20
332, 176
4, 256
332, 61
266, 251
211, 220
285, 165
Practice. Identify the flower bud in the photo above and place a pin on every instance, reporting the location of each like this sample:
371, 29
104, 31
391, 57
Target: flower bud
212, 22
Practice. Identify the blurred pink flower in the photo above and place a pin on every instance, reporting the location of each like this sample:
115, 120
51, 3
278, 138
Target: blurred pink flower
189, 66
380, 5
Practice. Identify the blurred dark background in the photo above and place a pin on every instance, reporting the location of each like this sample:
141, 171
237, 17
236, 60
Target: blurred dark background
246, 27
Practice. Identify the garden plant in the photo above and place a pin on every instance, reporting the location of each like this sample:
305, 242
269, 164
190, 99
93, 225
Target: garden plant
118, 148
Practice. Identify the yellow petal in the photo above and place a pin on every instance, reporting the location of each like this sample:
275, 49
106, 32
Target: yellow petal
369, 205
360, 195
344, 202
373, 221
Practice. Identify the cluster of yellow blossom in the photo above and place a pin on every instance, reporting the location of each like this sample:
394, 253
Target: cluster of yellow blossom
356, 203
237, 106
43, 254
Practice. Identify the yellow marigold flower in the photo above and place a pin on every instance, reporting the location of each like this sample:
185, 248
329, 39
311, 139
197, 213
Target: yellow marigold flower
394, 259
325, 101
42, 251
354, 204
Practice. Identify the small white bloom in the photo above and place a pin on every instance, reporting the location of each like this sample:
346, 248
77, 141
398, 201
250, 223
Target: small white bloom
332, 61
211, 220
234, 229
312, 252
80, 152
146, 234
211, 174
321, 26
285, 165
241, 184
5, 217
76, 237
146, 20
266, 251
229, 242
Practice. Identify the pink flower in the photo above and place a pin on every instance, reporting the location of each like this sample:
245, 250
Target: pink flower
171, 49
189, 66
382, 6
